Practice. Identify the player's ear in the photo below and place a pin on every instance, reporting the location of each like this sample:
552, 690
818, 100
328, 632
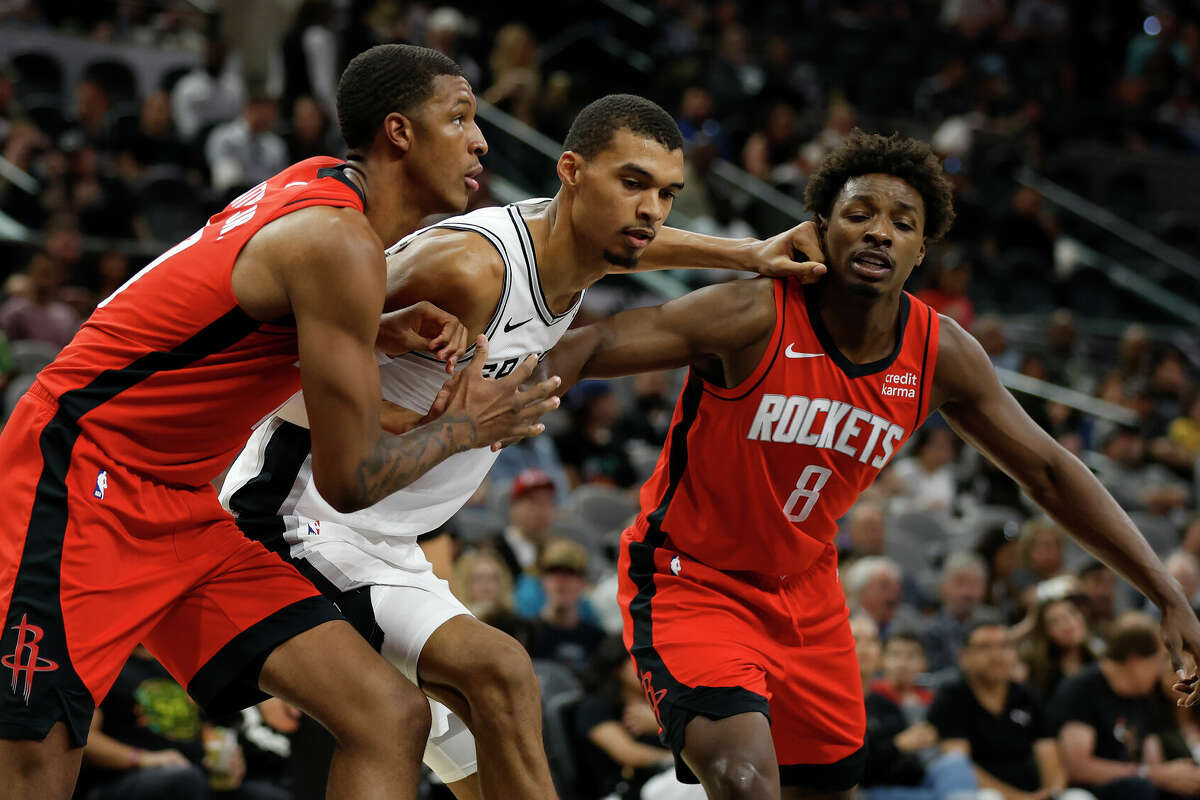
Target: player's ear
398, 130
921, 254
568, 167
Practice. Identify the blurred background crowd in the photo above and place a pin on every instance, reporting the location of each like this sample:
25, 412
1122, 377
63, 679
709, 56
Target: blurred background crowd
1071, 130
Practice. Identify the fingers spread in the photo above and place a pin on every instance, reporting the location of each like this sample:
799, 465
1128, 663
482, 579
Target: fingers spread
524, 370
539, 391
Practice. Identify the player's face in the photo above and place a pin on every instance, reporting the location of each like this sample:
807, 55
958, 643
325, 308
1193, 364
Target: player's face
447, 145
875, 234
625, 193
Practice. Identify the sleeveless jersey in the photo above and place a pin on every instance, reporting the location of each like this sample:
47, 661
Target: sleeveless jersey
273, 474
755, 477
168, 375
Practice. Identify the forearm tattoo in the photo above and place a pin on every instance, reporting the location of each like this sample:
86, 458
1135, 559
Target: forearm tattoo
400, 460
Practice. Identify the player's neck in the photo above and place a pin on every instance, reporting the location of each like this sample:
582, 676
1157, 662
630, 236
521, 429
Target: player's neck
564, 269
863, 328
390, 210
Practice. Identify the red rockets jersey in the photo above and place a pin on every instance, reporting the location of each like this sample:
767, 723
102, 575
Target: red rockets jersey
169, 375
755, 477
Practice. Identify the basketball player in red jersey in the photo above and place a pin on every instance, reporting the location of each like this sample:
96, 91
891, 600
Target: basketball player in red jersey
796, 398
112, 533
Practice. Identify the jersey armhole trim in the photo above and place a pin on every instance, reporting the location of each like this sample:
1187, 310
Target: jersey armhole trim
535, 281
505, 285
765, 362
931, 338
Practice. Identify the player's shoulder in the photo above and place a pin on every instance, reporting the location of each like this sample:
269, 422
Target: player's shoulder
454, 255
323, 229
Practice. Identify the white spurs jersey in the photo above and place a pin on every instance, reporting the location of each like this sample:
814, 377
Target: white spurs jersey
272, 476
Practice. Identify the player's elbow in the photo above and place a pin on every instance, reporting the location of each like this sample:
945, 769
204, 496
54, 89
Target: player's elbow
342, 492
1045, 480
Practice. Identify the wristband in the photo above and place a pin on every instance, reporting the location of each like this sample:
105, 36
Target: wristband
135, 758
1144, 771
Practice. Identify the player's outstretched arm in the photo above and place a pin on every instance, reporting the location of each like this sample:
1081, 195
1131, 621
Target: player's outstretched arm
335, 285
983, 412
713, 321
795, 253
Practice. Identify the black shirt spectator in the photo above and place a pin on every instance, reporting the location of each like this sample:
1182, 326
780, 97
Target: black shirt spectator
1001, 744
1121, 723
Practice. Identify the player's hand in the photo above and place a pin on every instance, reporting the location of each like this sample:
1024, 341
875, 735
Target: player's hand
398, 419
501, 410
1181, 634
425, 328
795, 253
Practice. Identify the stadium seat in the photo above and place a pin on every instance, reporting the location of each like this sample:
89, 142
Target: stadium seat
38, 74
561, 693
170, 207
45, 111
1159, 532
117, 78
601, 507
16, 387
31, 355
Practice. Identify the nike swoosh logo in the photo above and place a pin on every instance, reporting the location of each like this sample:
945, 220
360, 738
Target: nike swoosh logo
509, 327
790, 353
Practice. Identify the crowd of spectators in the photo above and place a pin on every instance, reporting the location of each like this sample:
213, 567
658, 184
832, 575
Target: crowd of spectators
980, 625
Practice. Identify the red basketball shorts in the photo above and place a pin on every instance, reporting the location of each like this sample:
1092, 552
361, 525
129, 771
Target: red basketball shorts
716, 644
95, 559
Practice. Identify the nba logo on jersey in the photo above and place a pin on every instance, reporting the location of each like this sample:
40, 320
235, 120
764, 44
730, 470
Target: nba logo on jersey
676, 567
101, 485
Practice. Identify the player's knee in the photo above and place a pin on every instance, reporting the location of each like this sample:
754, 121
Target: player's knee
504, 676
399, 712
738, 779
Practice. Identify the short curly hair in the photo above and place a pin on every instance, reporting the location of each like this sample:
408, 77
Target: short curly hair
910, 160
595, 125
383, 79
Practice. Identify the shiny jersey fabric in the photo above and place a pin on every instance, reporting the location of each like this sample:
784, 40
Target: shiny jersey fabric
754, 477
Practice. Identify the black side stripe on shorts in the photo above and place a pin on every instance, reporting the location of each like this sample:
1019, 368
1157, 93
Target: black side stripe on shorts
641, 558
36, 590
284, 455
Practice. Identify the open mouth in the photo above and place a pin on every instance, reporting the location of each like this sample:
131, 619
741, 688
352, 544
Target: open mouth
638, 238
871, 264
472, 178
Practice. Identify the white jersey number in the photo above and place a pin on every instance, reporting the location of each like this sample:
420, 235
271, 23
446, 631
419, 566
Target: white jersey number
808, 488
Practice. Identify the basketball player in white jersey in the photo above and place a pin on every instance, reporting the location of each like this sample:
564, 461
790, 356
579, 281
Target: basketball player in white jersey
517, 274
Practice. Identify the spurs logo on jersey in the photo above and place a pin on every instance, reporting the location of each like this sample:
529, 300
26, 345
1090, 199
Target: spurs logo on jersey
521, 325
796, 442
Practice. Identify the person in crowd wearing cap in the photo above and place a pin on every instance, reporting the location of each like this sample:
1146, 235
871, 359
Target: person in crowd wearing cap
1107, 724
997, 723
562, 634
530, 513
